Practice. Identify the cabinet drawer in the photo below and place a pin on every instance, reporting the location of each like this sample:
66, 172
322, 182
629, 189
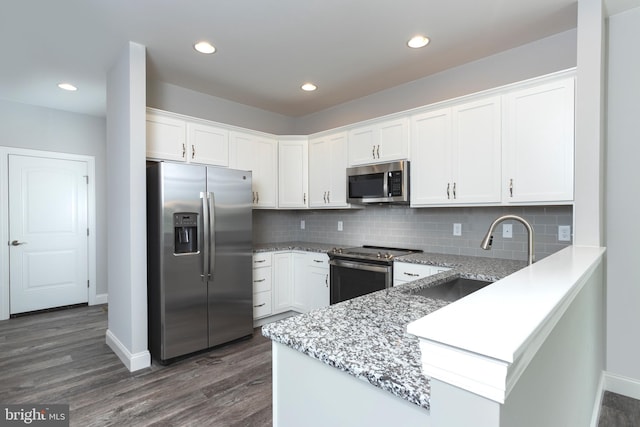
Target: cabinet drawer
262, 259
408, 272
261, 304
318, 260
262, 279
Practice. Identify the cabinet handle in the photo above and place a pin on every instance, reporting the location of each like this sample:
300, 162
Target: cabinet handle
373, 151
259, 260
304, 198
511, 187
328, 196
260, 305
378, 150
253, 197
184, 150
411, 274
193, 152
259, 280
317, 260
454, 190
326, 280
257, 197
448, 195
324, 197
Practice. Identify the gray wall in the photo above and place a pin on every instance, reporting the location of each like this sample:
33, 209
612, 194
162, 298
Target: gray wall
541, 57
429, 229
39, 128
165, 96
622, 202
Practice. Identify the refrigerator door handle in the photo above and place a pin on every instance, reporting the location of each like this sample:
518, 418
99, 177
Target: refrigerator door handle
204, 198
212, 233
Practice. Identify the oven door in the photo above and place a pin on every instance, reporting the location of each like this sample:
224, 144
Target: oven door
350, 279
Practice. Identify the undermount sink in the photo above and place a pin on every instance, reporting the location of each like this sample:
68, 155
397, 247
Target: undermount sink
452, 290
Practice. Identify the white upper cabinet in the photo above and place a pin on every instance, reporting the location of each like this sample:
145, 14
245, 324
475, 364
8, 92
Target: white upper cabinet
539, 143
456, 154
293, 158
207, 144
166, 137
258, 154
379, 142
328, 171
171, 137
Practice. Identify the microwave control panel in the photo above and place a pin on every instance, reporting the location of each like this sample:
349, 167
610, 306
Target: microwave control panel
395, 183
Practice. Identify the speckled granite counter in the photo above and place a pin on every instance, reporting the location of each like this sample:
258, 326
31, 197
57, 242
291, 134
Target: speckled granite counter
366, 336
293, 246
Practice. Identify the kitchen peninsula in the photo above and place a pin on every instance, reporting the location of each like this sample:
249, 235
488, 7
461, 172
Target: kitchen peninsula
354, 363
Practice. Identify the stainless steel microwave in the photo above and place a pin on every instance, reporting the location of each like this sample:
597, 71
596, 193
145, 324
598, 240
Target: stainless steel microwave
379, 183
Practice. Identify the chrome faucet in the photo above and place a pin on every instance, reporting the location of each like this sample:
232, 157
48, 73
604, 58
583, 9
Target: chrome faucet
488, 239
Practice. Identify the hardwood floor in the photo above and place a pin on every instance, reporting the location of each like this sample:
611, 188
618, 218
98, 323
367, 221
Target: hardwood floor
61, 357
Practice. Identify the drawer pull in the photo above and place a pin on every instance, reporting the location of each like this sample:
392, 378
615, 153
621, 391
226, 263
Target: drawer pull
411, 274
260, 305
317, 260
259, 280
260, 260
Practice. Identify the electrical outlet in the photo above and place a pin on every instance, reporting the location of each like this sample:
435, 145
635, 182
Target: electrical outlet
507, 231
302, 224
339, 225
564, 233
457, 229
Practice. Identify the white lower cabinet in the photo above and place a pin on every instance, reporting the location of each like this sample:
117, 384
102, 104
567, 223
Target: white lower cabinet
311, 281
262, 285
283, 282
404, 272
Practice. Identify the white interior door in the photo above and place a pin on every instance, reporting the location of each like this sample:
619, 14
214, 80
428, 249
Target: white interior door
48, 241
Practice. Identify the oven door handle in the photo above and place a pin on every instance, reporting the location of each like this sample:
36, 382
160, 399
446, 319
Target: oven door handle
359, 265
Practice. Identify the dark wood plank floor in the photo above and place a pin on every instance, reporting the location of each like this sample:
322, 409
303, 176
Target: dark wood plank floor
61, 357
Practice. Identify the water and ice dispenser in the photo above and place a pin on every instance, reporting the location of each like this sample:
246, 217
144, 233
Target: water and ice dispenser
185, 229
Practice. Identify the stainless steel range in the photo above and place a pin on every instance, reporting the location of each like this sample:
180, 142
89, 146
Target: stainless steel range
361, 270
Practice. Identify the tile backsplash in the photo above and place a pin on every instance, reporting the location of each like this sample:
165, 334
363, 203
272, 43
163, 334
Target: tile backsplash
429, 229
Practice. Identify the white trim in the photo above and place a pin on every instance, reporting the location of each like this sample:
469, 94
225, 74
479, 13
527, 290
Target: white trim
4, 219
620, 384
598, 401
100, 299
133, 362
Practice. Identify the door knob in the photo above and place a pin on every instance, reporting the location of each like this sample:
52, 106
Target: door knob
17, 243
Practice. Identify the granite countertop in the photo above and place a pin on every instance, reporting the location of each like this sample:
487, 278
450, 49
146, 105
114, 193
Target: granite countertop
366, 336
293, 246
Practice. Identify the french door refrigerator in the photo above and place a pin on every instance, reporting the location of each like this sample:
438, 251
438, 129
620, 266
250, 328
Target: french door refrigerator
199, 252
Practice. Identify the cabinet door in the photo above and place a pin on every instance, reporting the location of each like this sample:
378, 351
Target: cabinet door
328, 171
207, 144
282, 286
431, 164
300, 289
477, 152
539, 143
259, 155
318, 287
166, 138
362, 145
394, 140
293, 174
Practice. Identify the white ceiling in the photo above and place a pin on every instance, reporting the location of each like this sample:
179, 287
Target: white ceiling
266, 48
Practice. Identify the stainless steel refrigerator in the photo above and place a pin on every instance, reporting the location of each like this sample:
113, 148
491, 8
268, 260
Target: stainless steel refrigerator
199, 252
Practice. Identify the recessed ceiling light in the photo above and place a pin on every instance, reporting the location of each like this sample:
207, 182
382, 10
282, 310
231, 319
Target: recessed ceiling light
67, 86
417, 42
309, 87
204, 47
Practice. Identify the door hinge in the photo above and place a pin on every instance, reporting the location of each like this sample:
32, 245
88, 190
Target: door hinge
86, 178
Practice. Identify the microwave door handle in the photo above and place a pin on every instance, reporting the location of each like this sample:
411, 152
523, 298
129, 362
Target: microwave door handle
205, 243
385, 186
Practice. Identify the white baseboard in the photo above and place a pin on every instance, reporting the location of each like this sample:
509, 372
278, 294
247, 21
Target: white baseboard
619, 384
133, 362
100, 299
